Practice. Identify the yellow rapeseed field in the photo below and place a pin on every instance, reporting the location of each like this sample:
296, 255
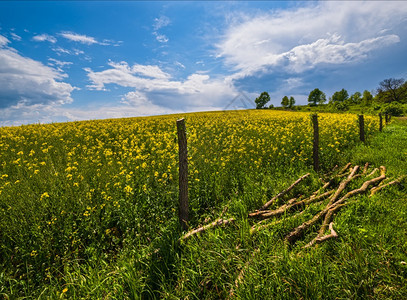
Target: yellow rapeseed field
67, 189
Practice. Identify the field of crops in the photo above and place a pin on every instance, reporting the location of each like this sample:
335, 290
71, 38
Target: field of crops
97, 190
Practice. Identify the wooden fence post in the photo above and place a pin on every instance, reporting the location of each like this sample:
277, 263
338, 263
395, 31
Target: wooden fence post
381, 122
183, 174
315, 142
362, 128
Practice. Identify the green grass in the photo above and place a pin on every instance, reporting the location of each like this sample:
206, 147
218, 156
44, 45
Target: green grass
367, 261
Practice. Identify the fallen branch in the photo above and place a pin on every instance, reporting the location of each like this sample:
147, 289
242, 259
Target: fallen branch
284, 192
373, 172
328, 217
208, 226
298, 231
378, 188
365, 168
344, 168
343, 185
290, 205
263, 213
321, 239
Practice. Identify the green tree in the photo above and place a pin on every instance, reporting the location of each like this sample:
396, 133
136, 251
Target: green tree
285, 102
356, 98
340, 96
391, 90
291, 102
367, 98
316, 97
262, 100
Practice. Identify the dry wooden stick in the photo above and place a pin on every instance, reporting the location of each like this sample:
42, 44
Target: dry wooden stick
290, 205
344, 168
298, 231
339, 203
282, 208
284, 192
365, 168
378, 188
328, 217
320, 239
373, 172
340, 174
343, 185
208, 226
365, 185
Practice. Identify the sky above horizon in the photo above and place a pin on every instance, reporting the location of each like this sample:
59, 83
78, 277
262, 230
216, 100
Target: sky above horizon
77, 60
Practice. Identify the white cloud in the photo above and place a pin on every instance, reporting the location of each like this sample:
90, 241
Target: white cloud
60, 50
59, 65
154, 86
161, 22
42, 113
161, 38
298, 39
15, 37
332, 51
24, 81
80, 38
44, 37
3, 41
177, 63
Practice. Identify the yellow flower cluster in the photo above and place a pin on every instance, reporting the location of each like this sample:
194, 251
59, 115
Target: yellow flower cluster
123, 158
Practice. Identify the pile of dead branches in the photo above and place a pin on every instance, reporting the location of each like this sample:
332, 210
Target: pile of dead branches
334, 192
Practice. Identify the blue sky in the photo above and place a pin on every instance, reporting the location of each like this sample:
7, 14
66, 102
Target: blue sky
65, 61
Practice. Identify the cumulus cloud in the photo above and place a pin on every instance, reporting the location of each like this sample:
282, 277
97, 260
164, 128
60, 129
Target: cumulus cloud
45, 37
45, 113
298, 39
24, 81
156, 87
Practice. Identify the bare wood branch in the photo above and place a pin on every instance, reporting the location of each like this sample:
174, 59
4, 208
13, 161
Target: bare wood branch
321, 239
284, 192
365, 168
340, 174
208, 226
373, 172
328, 218
261, 213
290, 205
378, 188
298, 231
344, 168
343, 185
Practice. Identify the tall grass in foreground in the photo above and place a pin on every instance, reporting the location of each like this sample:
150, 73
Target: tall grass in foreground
88, 209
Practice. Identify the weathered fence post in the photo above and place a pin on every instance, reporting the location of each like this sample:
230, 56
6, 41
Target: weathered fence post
381, 122
183, 174
362, 128
315, 142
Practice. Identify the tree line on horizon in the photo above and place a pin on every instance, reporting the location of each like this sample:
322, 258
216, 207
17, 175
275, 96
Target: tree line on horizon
390, 97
